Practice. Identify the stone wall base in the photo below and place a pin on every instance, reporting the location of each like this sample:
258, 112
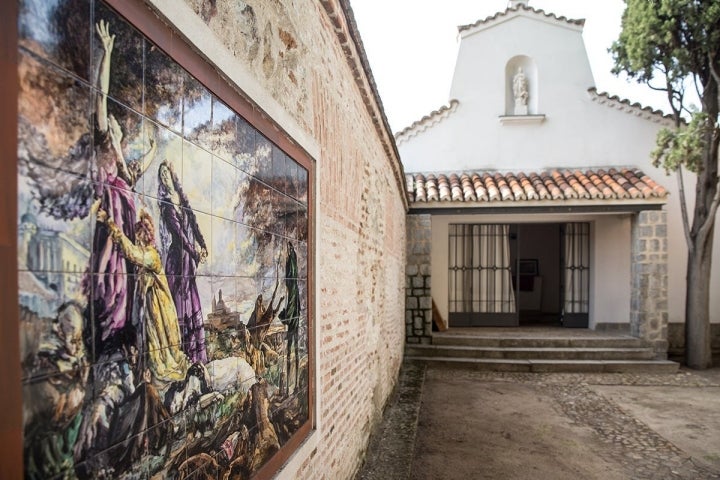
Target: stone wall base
621, 328
660, 346
676, 341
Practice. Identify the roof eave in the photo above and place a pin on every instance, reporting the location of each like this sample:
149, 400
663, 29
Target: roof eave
342, 19
539, 206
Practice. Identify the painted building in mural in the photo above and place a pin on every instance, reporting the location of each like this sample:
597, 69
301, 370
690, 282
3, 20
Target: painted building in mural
537, 193
175, 317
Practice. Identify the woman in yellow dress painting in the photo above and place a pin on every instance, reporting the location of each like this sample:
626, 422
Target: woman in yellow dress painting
153, 309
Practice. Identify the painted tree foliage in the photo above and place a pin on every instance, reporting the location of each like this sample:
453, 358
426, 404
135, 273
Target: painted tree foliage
672, 45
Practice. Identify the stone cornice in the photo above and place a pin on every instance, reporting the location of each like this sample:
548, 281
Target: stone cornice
625, 105
520, 10
426, 122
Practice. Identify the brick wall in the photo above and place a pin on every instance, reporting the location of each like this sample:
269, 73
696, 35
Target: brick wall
418, 297
297, 58
649, 282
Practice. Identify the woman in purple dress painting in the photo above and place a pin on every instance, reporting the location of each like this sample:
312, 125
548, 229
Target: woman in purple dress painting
111, 282
185, 249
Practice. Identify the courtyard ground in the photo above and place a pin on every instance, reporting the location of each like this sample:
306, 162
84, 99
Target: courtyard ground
462, 424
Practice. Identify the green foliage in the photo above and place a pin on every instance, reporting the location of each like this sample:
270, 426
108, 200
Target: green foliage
666, 43
682, 146
674, 37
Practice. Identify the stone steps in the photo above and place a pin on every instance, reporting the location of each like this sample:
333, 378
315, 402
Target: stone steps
538, 342
552, 366
526, 353
541, 351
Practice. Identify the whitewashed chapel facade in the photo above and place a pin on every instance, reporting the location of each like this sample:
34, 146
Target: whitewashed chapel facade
533, 197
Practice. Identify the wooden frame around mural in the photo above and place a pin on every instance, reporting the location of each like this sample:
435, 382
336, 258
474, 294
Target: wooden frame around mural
148, 23
11, 461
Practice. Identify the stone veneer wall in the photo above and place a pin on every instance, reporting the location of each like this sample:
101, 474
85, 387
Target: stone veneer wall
418, 298
649, 282
297, 60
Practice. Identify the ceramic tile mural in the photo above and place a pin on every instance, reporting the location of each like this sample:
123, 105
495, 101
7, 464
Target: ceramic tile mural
163, 262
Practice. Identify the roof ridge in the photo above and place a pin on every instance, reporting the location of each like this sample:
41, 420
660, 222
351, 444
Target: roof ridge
552, 16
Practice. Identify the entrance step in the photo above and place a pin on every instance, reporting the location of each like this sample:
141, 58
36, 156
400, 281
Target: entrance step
540, 350
539, 342
527, 353
553, 366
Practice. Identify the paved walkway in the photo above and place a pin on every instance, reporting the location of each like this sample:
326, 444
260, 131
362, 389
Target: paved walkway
460, 424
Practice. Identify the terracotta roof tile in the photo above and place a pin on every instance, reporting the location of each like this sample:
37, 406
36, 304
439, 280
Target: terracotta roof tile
526, 184
540, 187
409, 180
480, 190
554, 189
609, 180
492, 188
419, 189
444, 188
517, 190
658, 190
431, 188
502, 184
590, 188
605, 191
550, 186
467, 188
455, 188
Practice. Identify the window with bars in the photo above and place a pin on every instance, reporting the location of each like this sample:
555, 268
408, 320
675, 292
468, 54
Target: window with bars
479, 270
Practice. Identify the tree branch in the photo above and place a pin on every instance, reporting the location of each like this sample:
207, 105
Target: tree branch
716, 76
710, 219
683, 206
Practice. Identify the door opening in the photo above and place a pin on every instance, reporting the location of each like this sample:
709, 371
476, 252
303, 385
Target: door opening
519, 274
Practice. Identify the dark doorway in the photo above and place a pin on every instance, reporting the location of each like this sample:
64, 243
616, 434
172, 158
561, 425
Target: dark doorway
538, 274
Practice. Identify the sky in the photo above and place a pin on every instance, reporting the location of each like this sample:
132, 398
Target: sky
412, 45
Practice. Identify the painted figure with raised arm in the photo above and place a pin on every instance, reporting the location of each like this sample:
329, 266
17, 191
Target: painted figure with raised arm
111, 282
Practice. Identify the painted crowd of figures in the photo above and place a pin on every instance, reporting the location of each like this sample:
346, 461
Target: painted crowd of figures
169, 311
120, 415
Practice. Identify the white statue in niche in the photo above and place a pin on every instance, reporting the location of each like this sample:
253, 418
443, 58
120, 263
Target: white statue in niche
520, 91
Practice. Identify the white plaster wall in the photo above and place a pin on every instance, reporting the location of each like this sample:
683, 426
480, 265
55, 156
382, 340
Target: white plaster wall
577, 131
610, 259
562, 66
610, 270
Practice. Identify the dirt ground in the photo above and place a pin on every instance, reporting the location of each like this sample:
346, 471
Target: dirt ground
475, 425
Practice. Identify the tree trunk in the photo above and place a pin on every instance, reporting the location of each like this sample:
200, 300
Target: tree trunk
698, 353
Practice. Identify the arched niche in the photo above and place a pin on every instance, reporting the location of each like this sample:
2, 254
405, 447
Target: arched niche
529, 104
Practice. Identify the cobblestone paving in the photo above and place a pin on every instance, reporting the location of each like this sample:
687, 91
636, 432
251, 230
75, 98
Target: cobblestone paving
631, 442
390, 450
